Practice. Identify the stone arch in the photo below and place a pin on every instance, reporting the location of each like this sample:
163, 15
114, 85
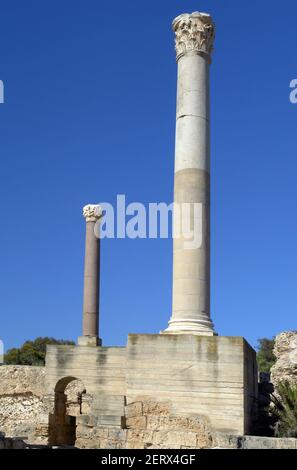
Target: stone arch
62, 422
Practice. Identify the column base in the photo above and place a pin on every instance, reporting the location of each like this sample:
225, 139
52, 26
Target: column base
190, 327
91, 341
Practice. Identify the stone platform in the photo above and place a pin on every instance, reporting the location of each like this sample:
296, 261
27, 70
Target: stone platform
211, 377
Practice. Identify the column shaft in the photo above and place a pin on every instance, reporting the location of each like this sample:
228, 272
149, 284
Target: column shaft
91, 282
191, 265
92, 213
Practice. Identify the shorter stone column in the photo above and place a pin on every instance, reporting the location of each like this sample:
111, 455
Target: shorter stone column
92, 214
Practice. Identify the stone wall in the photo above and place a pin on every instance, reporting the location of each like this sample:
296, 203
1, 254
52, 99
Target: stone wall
285, 350
21, 392
123, 401
147, 425
225, 441
210, 376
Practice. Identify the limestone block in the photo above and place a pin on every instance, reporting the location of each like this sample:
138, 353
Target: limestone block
225, 441
101, 432
134, 444
103, 443
133, 409
145, 436
172, 422
82, 420
85, 406
214, 376
87, 443
117, 434
157, 408
21, 380
178, 422
257, 442
115, 444
196, 423
175, 437
138, 422
204, 441
93, 420
110, 420
157, 422
88, 341
84, 432
172, 446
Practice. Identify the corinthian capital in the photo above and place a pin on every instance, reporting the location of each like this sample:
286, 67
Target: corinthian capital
194, 32
92, 212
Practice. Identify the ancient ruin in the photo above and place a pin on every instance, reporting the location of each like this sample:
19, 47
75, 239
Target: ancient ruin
186, 387
177, 387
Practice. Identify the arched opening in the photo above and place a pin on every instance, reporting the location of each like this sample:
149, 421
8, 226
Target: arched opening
69, 392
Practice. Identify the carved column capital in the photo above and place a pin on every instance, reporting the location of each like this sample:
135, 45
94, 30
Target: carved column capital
92, 212
194, 32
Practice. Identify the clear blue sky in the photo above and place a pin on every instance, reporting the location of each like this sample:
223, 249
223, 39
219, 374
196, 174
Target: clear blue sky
90, 112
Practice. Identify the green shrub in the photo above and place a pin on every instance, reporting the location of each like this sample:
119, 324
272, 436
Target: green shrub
284, 409
32, 353
265, 356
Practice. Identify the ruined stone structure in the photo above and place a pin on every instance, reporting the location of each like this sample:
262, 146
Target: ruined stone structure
144, 422
177, 389
21, 400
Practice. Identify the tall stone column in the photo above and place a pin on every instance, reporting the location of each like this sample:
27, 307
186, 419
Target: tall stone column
194, 35
92, 214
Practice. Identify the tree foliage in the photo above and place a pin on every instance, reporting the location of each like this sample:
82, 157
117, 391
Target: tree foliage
284, 409
265, 356
32, 353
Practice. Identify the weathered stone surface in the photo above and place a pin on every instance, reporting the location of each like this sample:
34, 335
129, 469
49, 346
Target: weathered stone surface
225, 441
101, 432
157, 422
140, 435
149, 424
19, 414
138, 422
172, 446
180, 438
285, 350
88, 443
256, 442
21, 405
214, 376
82, 420
117, 434
133, 409
24, 409
134, 444
198, 423
157, 408
19, 380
